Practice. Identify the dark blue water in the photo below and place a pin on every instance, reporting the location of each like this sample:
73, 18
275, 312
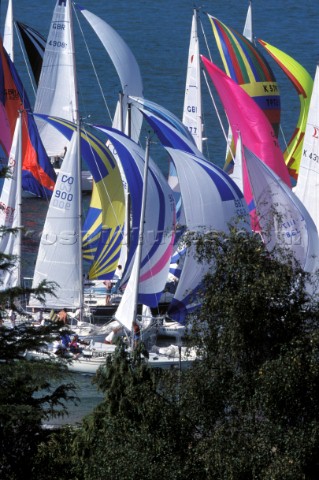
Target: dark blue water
158, 35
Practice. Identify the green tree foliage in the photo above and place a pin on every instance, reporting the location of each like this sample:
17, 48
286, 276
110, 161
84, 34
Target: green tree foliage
30, 392
138, 431
255, 395
248, 408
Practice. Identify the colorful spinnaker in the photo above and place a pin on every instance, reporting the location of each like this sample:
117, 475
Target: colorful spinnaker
249, 69
303, 84
38, 176
211, 201
159, 218
246, 117
104, 222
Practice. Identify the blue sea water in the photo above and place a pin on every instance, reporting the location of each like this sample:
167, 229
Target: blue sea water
158, 34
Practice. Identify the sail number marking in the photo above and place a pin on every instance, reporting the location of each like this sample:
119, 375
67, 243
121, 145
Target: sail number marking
57, 43
63, 195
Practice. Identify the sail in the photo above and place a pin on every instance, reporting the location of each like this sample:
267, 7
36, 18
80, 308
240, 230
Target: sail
57, 88
127, 69
104, 222
10, 212
38, 176
192, 110
237, 173
34, 45
308, 179
211, 200
163, 113
284, 220
159, 222
248, 27
303, 84
8, 31
58, 256
249, 69
256, 132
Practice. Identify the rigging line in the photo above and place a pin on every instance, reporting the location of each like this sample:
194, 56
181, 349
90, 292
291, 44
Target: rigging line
92, 63
25, 60
205, 38
216, 110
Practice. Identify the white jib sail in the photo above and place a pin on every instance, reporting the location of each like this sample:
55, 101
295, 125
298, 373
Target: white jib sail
59, 253
8, 31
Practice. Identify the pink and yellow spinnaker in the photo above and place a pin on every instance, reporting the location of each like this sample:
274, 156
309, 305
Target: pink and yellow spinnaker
257, 134
303, 83
249, 69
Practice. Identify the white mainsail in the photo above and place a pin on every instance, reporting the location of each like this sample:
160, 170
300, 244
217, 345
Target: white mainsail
10, 211
192, 111
307, 188
248, 27
59, 259
57, 89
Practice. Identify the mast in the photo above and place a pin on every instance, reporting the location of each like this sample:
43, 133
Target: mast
19, 198
79, 179
137, 261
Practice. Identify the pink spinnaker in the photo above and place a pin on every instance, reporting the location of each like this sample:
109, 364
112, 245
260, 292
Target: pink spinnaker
246, 118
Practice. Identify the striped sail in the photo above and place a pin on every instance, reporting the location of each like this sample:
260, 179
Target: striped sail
104, 222
211, 201
249, 69
284, 220
159, 225
303, 85
256, 132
